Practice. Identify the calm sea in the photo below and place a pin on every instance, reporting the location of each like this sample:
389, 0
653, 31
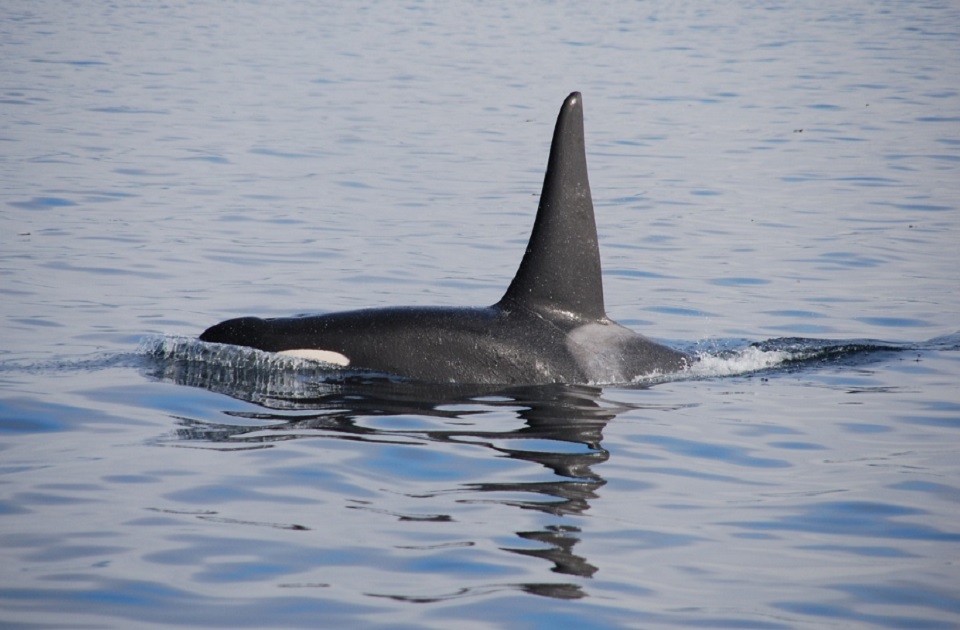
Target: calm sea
760, 171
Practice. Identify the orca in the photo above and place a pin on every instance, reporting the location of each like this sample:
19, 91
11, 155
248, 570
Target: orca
549, 327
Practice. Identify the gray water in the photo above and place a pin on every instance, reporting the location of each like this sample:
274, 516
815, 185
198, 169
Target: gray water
759, 171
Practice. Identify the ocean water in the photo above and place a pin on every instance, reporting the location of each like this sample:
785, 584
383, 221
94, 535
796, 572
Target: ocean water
776, 189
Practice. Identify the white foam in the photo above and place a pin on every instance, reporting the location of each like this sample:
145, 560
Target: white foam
742, 361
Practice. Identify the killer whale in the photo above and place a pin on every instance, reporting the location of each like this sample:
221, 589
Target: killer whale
549, 327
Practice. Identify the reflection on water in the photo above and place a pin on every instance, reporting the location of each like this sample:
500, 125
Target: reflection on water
561, 429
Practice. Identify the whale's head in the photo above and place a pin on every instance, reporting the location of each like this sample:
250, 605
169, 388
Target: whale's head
242, 331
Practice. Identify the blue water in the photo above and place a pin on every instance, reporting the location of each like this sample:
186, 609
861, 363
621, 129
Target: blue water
776, 190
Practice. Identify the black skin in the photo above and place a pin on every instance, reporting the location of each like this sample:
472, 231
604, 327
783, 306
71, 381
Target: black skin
549, 327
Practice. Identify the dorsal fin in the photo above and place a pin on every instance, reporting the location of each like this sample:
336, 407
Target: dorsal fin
560, 271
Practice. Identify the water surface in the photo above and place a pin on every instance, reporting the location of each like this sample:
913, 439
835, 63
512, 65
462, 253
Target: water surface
759, 172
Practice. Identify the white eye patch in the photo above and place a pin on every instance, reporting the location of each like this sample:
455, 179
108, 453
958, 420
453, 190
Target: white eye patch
326, 356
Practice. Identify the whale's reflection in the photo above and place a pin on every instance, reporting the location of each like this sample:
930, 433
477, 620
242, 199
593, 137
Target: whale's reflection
562, 424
